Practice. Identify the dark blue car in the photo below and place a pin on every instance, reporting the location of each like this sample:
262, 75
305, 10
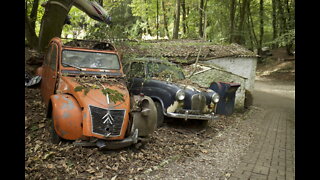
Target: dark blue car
173, 95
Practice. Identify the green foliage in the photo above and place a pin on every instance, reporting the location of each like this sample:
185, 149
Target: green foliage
285, 39
122, 22
135, 18
114, 95
29, 4
80, 88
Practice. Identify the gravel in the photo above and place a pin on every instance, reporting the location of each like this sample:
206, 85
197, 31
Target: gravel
217, 155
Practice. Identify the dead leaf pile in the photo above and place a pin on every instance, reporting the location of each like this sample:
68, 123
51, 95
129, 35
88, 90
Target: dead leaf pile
44, 160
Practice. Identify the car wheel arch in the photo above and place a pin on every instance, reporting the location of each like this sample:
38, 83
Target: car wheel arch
157, 99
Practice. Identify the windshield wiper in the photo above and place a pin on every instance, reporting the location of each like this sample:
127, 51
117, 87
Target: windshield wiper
81, 69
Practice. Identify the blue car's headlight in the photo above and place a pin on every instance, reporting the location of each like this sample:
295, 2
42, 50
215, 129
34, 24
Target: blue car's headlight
215, 97
180, 95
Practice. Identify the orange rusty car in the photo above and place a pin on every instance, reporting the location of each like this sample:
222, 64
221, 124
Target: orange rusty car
87, 99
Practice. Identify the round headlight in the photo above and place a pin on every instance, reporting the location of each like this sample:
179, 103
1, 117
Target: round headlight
215, 97
180, 95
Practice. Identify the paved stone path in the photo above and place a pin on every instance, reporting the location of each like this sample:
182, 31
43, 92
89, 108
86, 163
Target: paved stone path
271, 156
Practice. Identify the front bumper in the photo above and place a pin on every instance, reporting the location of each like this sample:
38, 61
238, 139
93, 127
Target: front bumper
111, 144
186, 115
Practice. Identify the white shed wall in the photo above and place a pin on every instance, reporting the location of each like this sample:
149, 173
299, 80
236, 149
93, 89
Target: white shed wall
242, 66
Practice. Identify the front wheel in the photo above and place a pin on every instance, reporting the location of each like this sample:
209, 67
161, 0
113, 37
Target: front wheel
55, 139
160, 115
203, 123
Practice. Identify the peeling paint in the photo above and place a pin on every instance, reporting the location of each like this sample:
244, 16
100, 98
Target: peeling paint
173, 107
63, 133
65, 115
69, 105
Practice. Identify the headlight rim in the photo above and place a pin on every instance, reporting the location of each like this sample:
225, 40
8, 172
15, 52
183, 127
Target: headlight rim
215, 98
180, 93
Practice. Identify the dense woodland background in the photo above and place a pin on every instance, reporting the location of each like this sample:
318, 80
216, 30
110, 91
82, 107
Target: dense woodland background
251, 23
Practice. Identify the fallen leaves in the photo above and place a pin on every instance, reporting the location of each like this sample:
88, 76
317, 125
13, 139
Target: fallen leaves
44, 160
93, 82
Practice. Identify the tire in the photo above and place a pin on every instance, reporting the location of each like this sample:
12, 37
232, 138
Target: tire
160, 115
55, 139
203, 123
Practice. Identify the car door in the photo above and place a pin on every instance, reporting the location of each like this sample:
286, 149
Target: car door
49, 74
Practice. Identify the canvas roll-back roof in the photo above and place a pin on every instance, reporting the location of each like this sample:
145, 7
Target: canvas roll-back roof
89, 44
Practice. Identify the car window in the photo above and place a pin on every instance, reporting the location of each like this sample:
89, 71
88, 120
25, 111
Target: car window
53, 56
136, 70
162, 70
85, 59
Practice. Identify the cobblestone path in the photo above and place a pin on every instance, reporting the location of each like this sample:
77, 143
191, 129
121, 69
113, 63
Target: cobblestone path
271, 156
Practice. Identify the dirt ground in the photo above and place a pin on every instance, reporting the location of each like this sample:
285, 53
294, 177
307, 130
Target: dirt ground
174, 141
178, 150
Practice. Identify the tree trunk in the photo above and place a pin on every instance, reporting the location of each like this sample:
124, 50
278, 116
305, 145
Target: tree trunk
240, 36
252, 25
30, 33
261, 12
232, 15
289, 15
176, 21
201, 18
165, 23
205, 21
157, 19
290, 25
34, 14
53, 20
274, 22
283, 23
250, 33
183, 6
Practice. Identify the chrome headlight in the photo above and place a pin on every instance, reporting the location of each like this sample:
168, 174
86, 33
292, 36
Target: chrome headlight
180, 95
215, 97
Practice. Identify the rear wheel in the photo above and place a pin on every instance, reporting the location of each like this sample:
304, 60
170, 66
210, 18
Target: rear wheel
160, 117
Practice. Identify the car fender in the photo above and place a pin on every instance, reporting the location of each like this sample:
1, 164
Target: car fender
67, 116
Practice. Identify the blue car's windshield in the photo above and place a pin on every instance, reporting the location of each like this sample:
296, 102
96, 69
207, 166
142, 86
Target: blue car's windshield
164, 70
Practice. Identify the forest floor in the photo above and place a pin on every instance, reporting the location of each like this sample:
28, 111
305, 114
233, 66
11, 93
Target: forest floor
178, 150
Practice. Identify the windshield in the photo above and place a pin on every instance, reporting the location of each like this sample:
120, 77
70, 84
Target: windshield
85, 59
164, 71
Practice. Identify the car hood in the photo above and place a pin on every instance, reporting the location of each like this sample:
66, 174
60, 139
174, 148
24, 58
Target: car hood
185, 84
97, 92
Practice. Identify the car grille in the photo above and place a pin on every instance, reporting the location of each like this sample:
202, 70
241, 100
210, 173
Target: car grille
106, 122
198, 102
